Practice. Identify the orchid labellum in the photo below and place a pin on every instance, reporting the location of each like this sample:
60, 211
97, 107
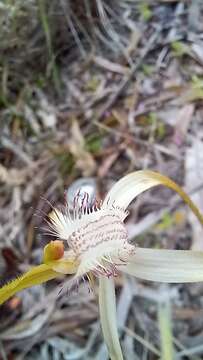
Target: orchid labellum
97, 246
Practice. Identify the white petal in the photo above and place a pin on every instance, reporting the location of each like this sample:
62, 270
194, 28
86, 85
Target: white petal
107, 306
131, 185
171, 266
128, 187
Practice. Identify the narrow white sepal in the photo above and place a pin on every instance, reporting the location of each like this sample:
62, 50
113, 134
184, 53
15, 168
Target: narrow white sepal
129, 187
171, 266
107, 306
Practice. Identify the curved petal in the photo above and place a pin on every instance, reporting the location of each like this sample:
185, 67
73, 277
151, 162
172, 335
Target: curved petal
37, 275
131, 185
107, 306
171, 266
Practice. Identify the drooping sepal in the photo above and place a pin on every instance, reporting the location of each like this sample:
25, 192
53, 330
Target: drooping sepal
35, 276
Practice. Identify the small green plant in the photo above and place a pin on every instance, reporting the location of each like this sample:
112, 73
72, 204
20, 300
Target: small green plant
147, 69
179, 48
93, 143
158, 127
66, 163
145, 11
197, 82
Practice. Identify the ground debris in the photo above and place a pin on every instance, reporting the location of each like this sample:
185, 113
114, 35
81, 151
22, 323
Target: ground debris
94, 90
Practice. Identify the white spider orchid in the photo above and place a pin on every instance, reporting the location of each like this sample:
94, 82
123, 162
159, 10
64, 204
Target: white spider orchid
98, 246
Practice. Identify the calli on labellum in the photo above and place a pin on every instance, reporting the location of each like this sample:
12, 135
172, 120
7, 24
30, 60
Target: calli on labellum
97, 246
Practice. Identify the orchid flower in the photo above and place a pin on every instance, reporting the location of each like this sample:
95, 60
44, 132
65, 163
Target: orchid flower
97, 246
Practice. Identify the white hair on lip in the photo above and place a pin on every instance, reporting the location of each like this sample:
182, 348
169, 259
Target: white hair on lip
97, 236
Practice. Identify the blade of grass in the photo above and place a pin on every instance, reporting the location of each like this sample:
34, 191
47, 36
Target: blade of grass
142, 341
190, 351
165, 328
183, 348
47, 32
